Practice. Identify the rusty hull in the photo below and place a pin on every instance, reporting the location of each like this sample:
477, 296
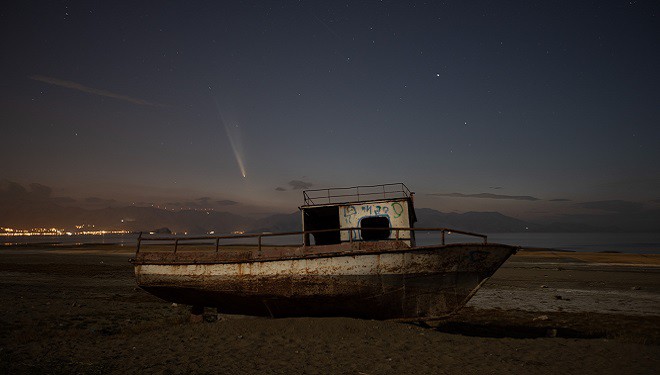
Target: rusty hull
386, 280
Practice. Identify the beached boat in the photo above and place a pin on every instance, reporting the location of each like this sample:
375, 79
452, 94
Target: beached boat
357, 257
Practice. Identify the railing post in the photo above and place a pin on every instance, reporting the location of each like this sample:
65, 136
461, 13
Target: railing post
350, 236
443, 237
259, 242
176, 245
397, 234
139, 240
217, 244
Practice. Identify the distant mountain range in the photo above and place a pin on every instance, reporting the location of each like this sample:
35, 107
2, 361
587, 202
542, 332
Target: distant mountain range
43, 214
484, 222
34, 208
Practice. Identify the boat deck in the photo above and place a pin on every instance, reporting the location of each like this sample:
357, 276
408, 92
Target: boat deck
209, 249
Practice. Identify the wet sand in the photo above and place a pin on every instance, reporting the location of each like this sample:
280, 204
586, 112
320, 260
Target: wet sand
78, 311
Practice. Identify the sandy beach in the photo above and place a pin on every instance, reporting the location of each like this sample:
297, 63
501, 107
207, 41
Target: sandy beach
78, 310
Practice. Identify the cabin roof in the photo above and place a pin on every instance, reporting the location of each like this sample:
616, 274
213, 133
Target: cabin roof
356, 194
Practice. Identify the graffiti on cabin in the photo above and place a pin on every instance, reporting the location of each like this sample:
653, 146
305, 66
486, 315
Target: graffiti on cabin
350, 212
397, 208
352, 215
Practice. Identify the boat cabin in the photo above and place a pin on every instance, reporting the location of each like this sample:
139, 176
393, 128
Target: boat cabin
359, 213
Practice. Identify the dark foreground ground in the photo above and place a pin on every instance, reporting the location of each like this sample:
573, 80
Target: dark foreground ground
78, 311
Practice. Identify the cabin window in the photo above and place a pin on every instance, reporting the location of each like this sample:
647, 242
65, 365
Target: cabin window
375, 228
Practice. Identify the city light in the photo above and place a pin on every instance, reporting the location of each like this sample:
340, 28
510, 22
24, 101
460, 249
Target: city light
81, 230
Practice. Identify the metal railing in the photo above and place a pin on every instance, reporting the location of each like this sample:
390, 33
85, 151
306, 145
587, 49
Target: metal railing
356, 193
215, 240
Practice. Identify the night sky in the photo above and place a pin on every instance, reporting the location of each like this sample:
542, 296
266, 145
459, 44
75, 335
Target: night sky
528, 108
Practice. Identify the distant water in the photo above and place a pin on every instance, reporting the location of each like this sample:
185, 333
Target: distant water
117, 239
641, 243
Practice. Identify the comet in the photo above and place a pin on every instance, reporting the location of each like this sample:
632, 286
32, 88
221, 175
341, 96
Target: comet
234, 140
233, 134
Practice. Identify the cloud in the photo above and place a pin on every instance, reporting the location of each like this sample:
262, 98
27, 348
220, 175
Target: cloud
279, 188
487, 196
36, 193
495, 187
41, 190
300, 185
617, 206
226, 202
648, 183
90, 90
10, 190
560, 200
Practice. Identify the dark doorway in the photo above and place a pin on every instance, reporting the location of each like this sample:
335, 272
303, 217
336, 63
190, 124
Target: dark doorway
321, 218
380, 225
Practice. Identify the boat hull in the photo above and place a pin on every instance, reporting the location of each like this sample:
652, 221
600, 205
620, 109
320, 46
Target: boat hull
418, 283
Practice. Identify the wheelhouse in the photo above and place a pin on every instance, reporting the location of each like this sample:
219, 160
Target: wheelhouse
361, 213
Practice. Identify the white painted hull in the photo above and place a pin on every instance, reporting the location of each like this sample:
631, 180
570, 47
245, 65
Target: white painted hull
420, 283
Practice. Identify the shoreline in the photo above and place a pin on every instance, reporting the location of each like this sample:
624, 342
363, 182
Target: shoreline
640, 243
